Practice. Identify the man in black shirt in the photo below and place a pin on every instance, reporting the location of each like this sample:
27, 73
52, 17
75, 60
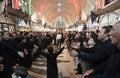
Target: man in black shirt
102, 52
8, 53
113, 65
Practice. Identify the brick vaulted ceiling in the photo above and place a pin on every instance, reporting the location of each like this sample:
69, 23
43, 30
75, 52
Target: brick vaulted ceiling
70, 9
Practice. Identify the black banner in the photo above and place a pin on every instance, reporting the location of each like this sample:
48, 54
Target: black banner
1, 0
93, 16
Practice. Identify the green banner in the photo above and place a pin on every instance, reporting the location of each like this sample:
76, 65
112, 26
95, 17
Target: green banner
29, 6
57, 21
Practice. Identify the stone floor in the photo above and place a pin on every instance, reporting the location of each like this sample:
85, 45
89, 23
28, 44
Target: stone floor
66, 66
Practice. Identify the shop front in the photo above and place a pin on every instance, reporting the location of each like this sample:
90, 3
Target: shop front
7, 24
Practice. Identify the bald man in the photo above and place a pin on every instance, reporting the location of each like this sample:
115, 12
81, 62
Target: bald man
113, 65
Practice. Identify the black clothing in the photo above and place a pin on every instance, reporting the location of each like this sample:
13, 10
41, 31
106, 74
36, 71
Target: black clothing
79, 69
29, 47
113, 66
8, 53
1, 73
52, 70
88, 50
26, 61
100, 56
44, 42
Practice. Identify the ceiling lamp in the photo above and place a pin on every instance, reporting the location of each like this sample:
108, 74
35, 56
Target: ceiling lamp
59, 10
59, 4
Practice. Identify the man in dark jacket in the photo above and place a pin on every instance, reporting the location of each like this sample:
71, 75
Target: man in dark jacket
113, 65
102, 52
8, 53
1, 58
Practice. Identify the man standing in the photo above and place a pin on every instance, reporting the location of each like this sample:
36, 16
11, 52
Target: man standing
8, 53
58, 39
113, 65
101, 55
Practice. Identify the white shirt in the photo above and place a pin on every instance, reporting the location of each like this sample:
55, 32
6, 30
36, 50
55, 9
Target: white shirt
59, 36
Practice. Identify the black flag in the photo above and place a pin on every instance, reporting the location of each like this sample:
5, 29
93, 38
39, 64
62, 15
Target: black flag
5, 10
1, 0
93, 16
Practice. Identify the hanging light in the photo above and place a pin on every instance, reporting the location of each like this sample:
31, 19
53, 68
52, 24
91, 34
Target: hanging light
59, 10
59, 4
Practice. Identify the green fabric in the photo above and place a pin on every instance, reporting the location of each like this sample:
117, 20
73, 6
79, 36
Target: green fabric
30, 7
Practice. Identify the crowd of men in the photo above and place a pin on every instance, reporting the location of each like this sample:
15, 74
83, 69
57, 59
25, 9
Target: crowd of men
100, 50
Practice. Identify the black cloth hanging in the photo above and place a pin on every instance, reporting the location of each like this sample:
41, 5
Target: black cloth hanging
1, 0
93, 16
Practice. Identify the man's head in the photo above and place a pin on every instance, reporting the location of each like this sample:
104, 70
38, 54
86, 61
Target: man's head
23, 39
50, 49
5, 35
103, 33
115, 34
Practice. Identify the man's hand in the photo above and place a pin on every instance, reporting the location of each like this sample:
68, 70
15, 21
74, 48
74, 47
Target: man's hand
25, 51
35, 46
21, 54
64, 45
87, 73
1, 67
85, 44
74, 53
1, 59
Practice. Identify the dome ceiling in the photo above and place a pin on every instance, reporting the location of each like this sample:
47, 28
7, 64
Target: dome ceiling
68, 10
